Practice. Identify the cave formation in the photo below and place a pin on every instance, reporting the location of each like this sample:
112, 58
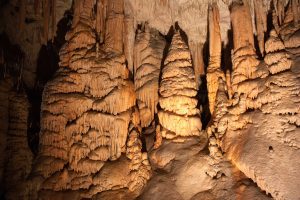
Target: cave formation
150, 99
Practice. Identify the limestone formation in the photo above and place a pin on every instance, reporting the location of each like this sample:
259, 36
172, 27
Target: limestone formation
86, 111
114, 19
244, 59
289, 29
179, 116
197, 57
277, 57
148, 53
214, 71
260, 122
122, 116
261, 23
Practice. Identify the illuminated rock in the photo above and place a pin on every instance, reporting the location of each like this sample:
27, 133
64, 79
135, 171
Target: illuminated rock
86, 112
178, 88
148, 51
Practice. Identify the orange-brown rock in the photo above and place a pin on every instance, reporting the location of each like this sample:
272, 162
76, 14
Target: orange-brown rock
148, 53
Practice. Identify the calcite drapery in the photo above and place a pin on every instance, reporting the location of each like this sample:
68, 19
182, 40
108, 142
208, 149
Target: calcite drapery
148, 53
179, 116
87, 108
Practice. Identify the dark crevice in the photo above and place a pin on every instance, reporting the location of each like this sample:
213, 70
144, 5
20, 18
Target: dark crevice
270, 25
202, 95
226, 62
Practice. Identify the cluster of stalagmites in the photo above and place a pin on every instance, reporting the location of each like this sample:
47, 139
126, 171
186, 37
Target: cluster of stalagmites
262, 120
93, 115
86, 112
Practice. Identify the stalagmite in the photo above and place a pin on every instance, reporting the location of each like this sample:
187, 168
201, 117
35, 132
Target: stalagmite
277, 58
214, 71
148, 52
217, 126
140, 169
179, 116
86, 110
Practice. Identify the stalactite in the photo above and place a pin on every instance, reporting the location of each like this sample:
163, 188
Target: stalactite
100, 19
244, 59
148, 53
114, 26
197, 56
178, 83
244, 37
261, 23
214, 67
129, 39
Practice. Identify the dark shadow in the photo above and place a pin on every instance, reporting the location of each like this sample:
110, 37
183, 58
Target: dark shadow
202, 95
204, 103
226, 62
270, 25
